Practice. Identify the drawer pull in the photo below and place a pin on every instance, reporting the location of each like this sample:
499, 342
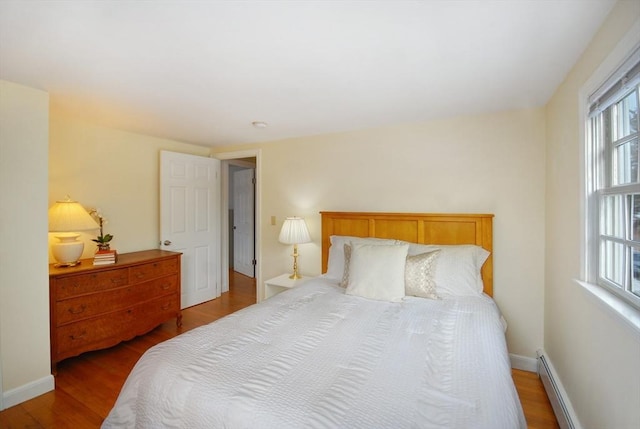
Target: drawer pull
166, 306
140, 275
78, 310
117, 280
166, 286
78, 337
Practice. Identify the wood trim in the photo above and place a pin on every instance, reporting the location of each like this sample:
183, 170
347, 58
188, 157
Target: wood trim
423, 228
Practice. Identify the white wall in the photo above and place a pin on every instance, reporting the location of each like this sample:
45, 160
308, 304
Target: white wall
482, 164
596, 355
43, 158
114, 170
24, 282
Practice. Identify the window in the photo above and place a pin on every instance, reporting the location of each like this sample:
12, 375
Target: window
613, 203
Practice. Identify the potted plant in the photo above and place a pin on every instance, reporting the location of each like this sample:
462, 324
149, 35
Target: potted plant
103, 239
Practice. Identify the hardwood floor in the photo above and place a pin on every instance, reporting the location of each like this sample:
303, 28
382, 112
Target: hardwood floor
534, 400
88, 385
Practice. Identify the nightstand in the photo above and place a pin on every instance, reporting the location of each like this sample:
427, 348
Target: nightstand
282, 282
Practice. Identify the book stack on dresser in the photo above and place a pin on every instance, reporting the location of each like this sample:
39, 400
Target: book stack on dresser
105, 257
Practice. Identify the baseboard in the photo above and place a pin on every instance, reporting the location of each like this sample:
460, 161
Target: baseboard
523, 363
28, 391
566, 416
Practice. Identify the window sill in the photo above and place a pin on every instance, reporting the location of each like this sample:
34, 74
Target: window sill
625, 312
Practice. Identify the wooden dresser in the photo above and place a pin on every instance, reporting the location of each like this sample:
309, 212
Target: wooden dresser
95, 307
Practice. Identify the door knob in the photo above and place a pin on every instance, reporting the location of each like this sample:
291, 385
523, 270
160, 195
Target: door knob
167, 242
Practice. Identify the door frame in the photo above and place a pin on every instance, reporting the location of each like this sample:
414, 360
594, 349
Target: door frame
224, 210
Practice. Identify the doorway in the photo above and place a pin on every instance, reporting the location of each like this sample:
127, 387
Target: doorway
252, 156
242, 216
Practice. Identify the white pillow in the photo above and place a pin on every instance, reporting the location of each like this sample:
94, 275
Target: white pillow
377, 271
458, 269
335, 265
347, 257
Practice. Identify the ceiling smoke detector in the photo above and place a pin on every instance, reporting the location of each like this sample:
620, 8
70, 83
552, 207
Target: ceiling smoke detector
259, 124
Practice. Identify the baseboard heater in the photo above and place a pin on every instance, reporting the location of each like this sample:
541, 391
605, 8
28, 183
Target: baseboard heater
555, 392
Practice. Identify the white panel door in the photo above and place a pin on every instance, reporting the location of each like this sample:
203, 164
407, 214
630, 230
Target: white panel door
189, 221
243, 222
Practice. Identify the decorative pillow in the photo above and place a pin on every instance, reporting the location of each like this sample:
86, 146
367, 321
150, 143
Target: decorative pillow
457, 272
335, 265
419, 275
347, 262
377, 271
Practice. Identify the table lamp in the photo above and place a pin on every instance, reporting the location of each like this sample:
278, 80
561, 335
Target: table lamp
66, 218
294, 231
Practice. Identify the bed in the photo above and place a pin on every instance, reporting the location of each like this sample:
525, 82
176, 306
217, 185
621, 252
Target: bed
348, 349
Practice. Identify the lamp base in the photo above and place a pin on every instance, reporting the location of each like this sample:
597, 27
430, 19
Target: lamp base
295, 275
66, 264
68, 251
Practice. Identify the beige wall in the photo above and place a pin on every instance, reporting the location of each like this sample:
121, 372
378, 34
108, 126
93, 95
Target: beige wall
483, 164
24, 285
115, 171
595, 353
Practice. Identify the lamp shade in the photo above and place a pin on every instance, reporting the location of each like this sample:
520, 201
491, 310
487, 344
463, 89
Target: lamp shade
65, 219
294, 231
70, 216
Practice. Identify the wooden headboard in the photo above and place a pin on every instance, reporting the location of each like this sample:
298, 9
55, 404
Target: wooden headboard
423, 228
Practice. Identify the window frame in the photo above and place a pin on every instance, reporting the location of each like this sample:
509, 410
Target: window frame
599, 169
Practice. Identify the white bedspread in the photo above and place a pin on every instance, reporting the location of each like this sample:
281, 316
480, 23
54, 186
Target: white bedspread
313, 357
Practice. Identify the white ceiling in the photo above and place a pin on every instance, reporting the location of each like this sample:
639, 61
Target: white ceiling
202, 71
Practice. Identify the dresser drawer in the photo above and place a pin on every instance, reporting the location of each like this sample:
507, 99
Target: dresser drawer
83, 307
153, 313
88, 283
109, 329
75, 337
152, 270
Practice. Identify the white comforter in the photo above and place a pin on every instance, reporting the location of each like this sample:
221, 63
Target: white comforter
313, 357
